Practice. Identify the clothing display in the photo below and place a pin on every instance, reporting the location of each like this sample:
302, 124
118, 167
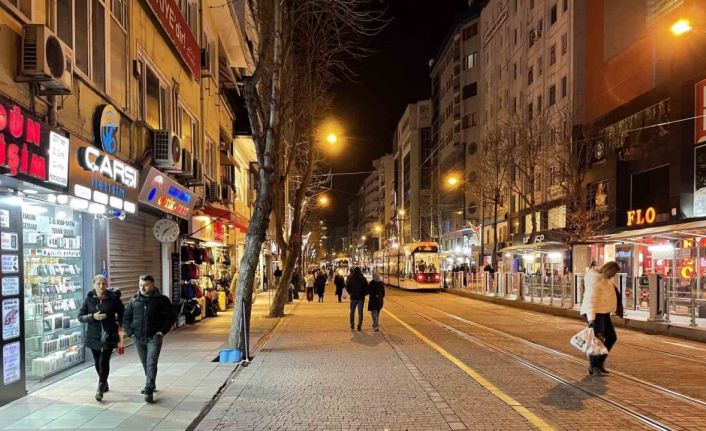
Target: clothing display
205, 280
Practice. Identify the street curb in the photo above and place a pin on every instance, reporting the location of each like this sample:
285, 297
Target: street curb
653, 328
231, 377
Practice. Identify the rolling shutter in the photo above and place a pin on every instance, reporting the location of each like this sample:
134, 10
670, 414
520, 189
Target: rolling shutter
133, 251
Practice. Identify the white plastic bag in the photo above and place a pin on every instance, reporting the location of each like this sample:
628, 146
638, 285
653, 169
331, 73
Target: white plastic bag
344, 295
587, 342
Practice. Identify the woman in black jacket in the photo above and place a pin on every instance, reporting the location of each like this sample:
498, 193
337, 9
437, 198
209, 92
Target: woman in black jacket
320, 285
340, 283
376, 290
102, 311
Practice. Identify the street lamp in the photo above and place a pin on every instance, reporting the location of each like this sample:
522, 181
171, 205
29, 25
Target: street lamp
323, 200
681, 26
452, 181
331, 138
363, 237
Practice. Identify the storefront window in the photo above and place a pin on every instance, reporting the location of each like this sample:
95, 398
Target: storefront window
53, 289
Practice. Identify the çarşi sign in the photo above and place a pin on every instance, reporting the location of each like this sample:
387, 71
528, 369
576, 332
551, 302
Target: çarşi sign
101, 178
29, 149
176, 27
641, 217
162, 192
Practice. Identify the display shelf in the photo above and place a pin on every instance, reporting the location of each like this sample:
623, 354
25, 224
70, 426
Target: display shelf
63, 367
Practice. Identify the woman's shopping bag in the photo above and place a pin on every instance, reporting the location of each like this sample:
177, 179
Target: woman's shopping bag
344, 294
587, 342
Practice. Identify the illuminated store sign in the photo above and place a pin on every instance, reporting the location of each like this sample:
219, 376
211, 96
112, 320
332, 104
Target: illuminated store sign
107, 127
162, 192
639, 217
29, 150
101, 178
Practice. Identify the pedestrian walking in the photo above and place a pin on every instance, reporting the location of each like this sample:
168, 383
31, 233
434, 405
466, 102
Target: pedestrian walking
102, 312
376, 292
148, 318
309, 282
600, 299
340, 284
357, 287
320, 285
278, 274
296, 283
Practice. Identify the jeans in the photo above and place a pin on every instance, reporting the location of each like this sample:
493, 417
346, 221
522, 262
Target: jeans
376, 318
101, 360
357, 303
149, 356
604, 326
309, 293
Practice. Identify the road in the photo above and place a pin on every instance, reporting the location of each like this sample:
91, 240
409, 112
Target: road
446, 362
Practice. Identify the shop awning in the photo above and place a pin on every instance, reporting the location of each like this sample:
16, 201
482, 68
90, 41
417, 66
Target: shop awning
694, 228
545, 247
236, 220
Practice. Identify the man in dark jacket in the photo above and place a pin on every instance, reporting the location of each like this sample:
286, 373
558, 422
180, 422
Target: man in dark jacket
340, 283
148, 317
357, 287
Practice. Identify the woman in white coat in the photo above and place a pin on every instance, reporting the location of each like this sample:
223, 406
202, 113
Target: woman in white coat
600, 300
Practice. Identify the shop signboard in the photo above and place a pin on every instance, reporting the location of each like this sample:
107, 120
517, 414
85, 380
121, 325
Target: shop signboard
640, 217
29, 149
12, 385
161, 192
700, 112
173, 23
96, 176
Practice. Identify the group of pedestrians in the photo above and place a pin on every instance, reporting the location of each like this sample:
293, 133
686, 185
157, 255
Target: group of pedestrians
147, 317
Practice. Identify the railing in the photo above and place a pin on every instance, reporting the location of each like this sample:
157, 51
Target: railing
653, 296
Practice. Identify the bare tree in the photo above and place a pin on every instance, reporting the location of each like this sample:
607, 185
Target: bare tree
492, 178
301, 42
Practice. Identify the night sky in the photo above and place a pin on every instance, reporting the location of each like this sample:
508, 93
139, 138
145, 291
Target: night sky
397, 74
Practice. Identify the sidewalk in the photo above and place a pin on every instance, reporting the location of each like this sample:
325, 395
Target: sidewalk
186, 381
317, 374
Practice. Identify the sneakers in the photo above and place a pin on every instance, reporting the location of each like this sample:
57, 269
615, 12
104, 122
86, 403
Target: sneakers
149, 398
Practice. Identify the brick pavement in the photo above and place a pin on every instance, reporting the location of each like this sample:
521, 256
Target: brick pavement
317, 374
187, 380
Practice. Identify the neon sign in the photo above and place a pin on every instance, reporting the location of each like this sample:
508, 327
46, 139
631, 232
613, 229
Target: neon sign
21, 151
639, 218
108, 124
162, 192
91, 159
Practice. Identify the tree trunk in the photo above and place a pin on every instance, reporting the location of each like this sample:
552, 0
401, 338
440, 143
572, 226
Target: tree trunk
282, 292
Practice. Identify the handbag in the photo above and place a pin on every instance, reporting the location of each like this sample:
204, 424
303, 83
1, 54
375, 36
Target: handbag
110, 338
587, 342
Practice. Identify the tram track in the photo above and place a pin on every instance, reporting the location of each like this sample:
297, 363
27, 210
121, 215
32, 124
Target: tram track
619, 406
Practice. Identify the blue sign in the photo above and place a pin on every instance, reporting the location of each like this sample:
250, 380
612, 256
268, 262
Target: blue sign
107, 128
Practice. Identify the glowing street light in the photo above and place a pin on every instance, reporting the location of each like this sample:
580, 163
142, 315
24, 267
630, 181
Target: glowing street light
323, 200
378, 229
331, 138
363, 237
401, 212
452, 181
680, 27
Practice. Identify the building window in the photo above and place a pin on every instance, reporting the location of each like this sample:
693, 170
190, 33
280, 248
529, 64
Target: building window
188, 130
24, 6
531, 38
564, 87
514, 70
471, 60
540, 65
514, 105
552, 55
470, 90
564, 43
530, 75
553, 15
539, 103
210, 158
153, 106
474, 119
515, 37
530, 113
470, 31
565, 6
552, 95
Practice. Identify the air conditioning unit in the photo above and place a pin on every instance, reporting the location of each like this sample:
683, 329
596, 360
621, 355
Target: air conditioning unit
227, 194
166, 150
187, 165
213, 192
46, 59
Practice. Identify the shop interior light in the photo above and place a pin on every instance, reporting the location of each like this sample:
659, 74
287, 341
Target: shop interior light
62, 199
95, 208
528, 258
33, 209
457, 249
51, 198
14, 201
61, 215
508, 255
661, 248
555, 256
79, 204
29, 191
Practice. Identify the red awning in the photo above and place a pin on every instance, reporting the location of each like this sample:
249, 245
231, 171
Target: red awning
236, 220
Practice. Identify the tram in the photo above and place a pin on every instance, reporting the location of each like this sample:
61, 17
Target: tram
414, 266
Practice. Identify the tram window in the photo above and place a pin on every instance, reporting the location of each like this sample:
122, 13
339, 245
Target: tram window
426, 262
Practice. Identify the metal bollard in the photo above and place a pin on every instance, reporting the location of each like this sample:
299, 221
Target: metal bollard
551, 292
667, 304
692, 321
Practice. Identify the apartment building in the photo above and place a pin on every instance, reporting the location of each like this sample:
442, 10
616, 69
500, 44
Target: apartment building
456, 131
533, 57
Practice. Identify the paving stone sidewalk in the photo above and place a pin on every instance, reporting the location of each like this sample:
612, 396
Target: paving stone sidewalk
317, 374
186, 381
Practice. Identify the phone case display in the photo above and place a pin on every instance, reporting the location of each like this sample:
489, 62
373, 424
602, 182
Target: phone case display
53, 290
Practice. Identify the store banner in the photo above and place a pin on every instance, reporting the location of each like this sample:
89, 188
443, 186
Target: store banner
700, 112
29, 149
161, 192
173, 23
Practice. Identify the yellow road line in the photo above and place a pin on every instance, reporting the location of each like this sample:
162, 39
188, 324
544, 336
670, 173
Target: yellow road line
519, 408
